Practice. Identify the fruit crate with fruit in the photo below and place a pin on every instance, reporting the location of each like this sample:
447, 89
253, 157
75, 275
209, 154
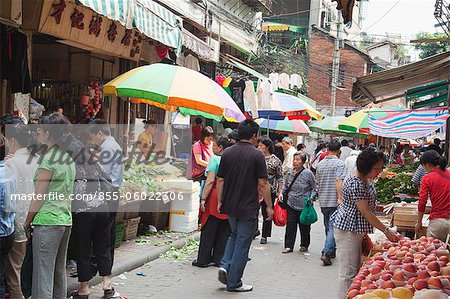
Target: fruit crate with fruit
402, 269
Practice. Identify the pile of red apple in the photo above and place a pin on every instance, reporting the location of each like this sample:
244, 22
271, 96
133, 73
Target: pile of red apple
413, 264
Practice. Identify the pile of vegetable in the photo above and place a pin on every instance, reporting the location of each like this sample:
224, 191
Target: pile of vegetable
184, 253
141, 178
403, 269
387, 188
405, 168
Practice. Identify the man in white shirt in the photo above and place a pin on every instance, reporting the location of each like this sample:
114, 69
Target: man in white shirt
289, 151
345, 150
350, 162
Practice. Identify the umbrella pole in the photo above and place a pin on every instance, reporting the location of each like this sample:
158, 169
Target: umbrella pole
268, 125
168, 129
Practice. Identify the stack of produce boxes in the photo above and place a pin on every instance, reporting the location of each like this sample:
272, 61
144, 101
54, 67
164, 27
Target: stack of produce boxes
184, 206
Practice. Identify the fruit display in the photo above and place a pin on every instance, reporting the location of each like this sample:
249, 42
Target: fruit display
402, 269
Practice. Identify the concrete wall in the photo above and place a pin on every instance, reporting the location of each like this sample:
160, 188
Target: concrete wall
384, 52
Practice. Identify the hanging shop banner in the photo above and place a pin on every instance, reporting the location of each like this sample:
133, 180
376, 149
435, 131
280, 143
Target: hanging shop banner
79, 25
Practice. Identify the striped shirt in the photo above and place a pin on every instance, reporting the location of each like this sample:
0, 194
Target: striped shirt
347, 216
303, 187
329, 170
418, 175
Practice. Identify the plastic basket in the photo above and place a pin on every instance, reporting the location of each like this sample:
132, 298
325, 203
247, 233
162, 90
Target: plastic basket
119, 234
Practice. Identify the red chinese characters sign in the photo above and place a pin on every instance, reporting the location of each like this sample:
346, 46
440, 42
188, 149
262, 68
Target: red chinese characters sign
81, 25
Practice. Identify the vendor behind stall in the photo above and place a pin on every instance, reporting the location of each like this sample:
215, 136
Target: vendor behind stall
145, 139
436, 186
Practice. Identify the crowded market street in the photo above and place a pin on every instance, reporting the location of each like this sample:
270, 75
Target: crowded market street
273, 274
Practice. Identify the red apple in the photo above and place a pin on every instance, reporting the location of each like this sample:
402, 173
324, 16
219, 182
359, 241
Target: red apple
445, 271
376, 270
388, 284
412, 280
386, 276
444, 259
353, 293
371, 287
420, 284
408, 260
411, 288
435, 283
410, 270
364, 271
423, 274
434, 266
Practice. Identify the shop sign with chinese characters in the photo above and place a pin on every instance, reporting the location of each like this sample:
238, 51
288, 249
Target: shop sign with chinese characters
81, 25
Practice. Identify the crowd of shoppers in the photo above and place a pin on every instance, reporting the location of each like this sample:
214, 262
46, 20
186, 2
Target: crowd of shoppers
44, 167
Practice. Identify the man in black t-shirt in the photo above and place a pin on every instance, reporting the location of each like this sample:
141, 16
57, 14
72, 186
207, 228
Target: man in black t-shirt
241, 176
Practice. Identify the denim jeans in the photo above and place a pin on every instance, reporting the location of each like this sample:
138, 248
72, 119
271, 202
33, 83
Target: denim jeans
236, 252
330, 244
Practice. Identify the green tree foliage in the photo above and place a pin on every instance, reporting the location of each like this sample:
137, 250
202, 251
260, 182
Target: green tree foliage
431, 48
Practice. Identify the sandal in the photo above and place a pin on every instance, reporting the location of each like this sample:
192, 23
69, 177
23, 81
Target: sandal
108, 294
75, 295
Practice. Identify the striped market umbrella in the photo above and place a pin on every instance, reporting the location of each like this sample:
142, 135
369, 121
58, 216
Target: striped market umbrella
358, 122
329, 125
410, 124
282, 105
284, 126
171, 87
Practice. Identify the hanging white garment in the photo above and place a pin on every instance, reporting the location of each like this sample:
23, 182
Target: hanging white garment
191, 62
263, 93
296, 80
283, 81
273, 78
250, 98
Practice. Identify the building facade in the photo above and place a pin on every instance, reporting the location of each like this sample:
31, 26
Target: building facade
353, 63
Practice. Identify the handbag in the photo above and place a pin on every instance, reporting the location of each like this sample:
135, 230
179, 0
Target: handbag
283, 204
195, 171
308, 215
279, 215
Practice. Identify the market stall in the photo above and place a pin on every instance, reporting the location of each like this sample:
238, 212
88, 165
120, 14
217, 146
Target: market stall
417, 78
403, 270
160, 192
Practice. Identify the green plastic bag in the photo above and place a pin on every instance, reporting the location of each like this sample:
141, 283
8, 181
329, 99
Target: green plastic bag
308, 215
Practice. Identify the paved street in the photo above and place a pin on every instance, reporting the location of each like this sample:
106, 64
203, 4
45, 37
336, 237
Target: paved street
295, 275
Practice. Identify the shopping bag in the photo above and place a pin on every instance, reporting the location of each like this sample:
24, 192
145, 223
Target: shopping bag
308, 215
279, 215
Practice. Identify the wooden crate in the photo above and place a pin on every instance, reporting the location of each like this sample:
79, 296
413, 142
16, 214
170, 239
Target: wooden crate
405, 216
131, 228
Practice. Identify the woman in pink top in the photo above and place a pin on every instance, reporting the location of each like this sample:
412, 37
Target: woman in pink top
201, 153
436, 186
